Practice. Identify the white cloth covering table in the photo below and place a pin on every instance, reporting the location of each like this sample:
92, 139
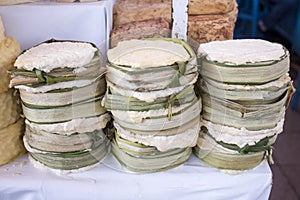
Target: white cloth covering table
19, 180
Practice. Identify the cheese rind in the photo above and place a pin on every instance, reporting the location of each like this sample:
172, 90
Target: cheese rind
152, 28
11, 145
9, 109
209, 7
126, 11
9, 50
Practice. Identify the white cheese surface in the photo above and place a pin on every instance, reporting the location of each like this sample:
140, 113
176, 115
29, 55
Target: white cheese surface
139, 116
279, 83
242, 51
73, 126
187, 138
242, 136
147, 96
56, 86
147, 53
48, 56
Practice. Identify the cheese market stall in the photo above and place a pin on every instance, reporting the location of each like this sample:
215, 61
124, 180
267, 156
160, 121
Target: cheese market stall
34, 23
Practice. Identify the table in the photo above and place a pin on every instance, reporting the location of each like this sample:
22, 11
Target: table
194, 180
33, 23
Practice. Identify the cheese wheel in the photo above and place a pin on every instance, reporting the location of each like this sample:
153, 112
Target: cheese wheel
11, 144
126, 11
152, 28
9, 50
209, 7
9, 108
207, 28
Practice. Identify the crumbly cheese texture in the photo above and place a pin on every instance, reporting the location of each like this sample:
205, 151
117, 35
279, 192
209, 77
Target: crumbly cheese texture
279, 83
147, 53
73, 126
9, 108
11, 145
241, 137
57, 86
49, 56
2, 30
243, 51
139, 116
9, 51
187, 138
147, 96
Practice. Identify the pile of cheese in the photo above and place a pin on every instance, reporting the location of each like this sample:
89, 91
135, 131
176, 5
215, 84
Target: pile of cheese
61, 85
151, 97
244, 85
208, 20
11, 124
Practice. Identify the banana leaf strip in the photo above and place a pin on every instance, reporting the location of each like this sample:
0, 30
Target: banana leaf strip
52, 142
159, 161
222, 160
88, 108
254, 73
38, 78
114, 101
266, 92
73, 160
264, 144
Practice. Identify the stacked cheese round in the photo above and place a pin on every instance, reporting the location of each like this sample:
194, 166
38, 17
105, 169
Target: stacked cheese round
61, 85
11, 124
151, 97
244, 85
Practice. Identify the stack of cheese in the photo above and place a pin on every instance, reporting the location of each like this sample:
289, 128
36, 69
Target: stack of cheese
244, 86
61, 85
11, 125
150, 95
208, 20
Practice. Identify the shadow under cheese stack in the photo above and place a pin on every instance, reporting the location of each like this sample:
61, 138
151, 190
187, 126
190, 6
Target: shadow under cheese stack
61, 86
244, 85
11, 124
150, 95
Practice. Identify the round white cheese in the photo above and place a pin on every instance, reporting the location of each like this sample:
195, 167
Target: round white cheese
242, 51
49, 56
147, 53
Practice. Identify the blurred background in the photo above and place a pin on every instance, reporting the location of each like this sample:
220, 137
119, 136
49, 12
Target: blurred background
279, 21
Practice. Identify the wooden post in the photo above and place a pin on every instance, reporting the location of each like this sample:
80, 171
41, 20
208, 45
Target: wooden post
180, 19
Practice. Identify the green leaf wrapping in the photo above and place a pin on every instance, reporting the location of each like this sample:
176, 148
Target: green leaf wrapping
257, 73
